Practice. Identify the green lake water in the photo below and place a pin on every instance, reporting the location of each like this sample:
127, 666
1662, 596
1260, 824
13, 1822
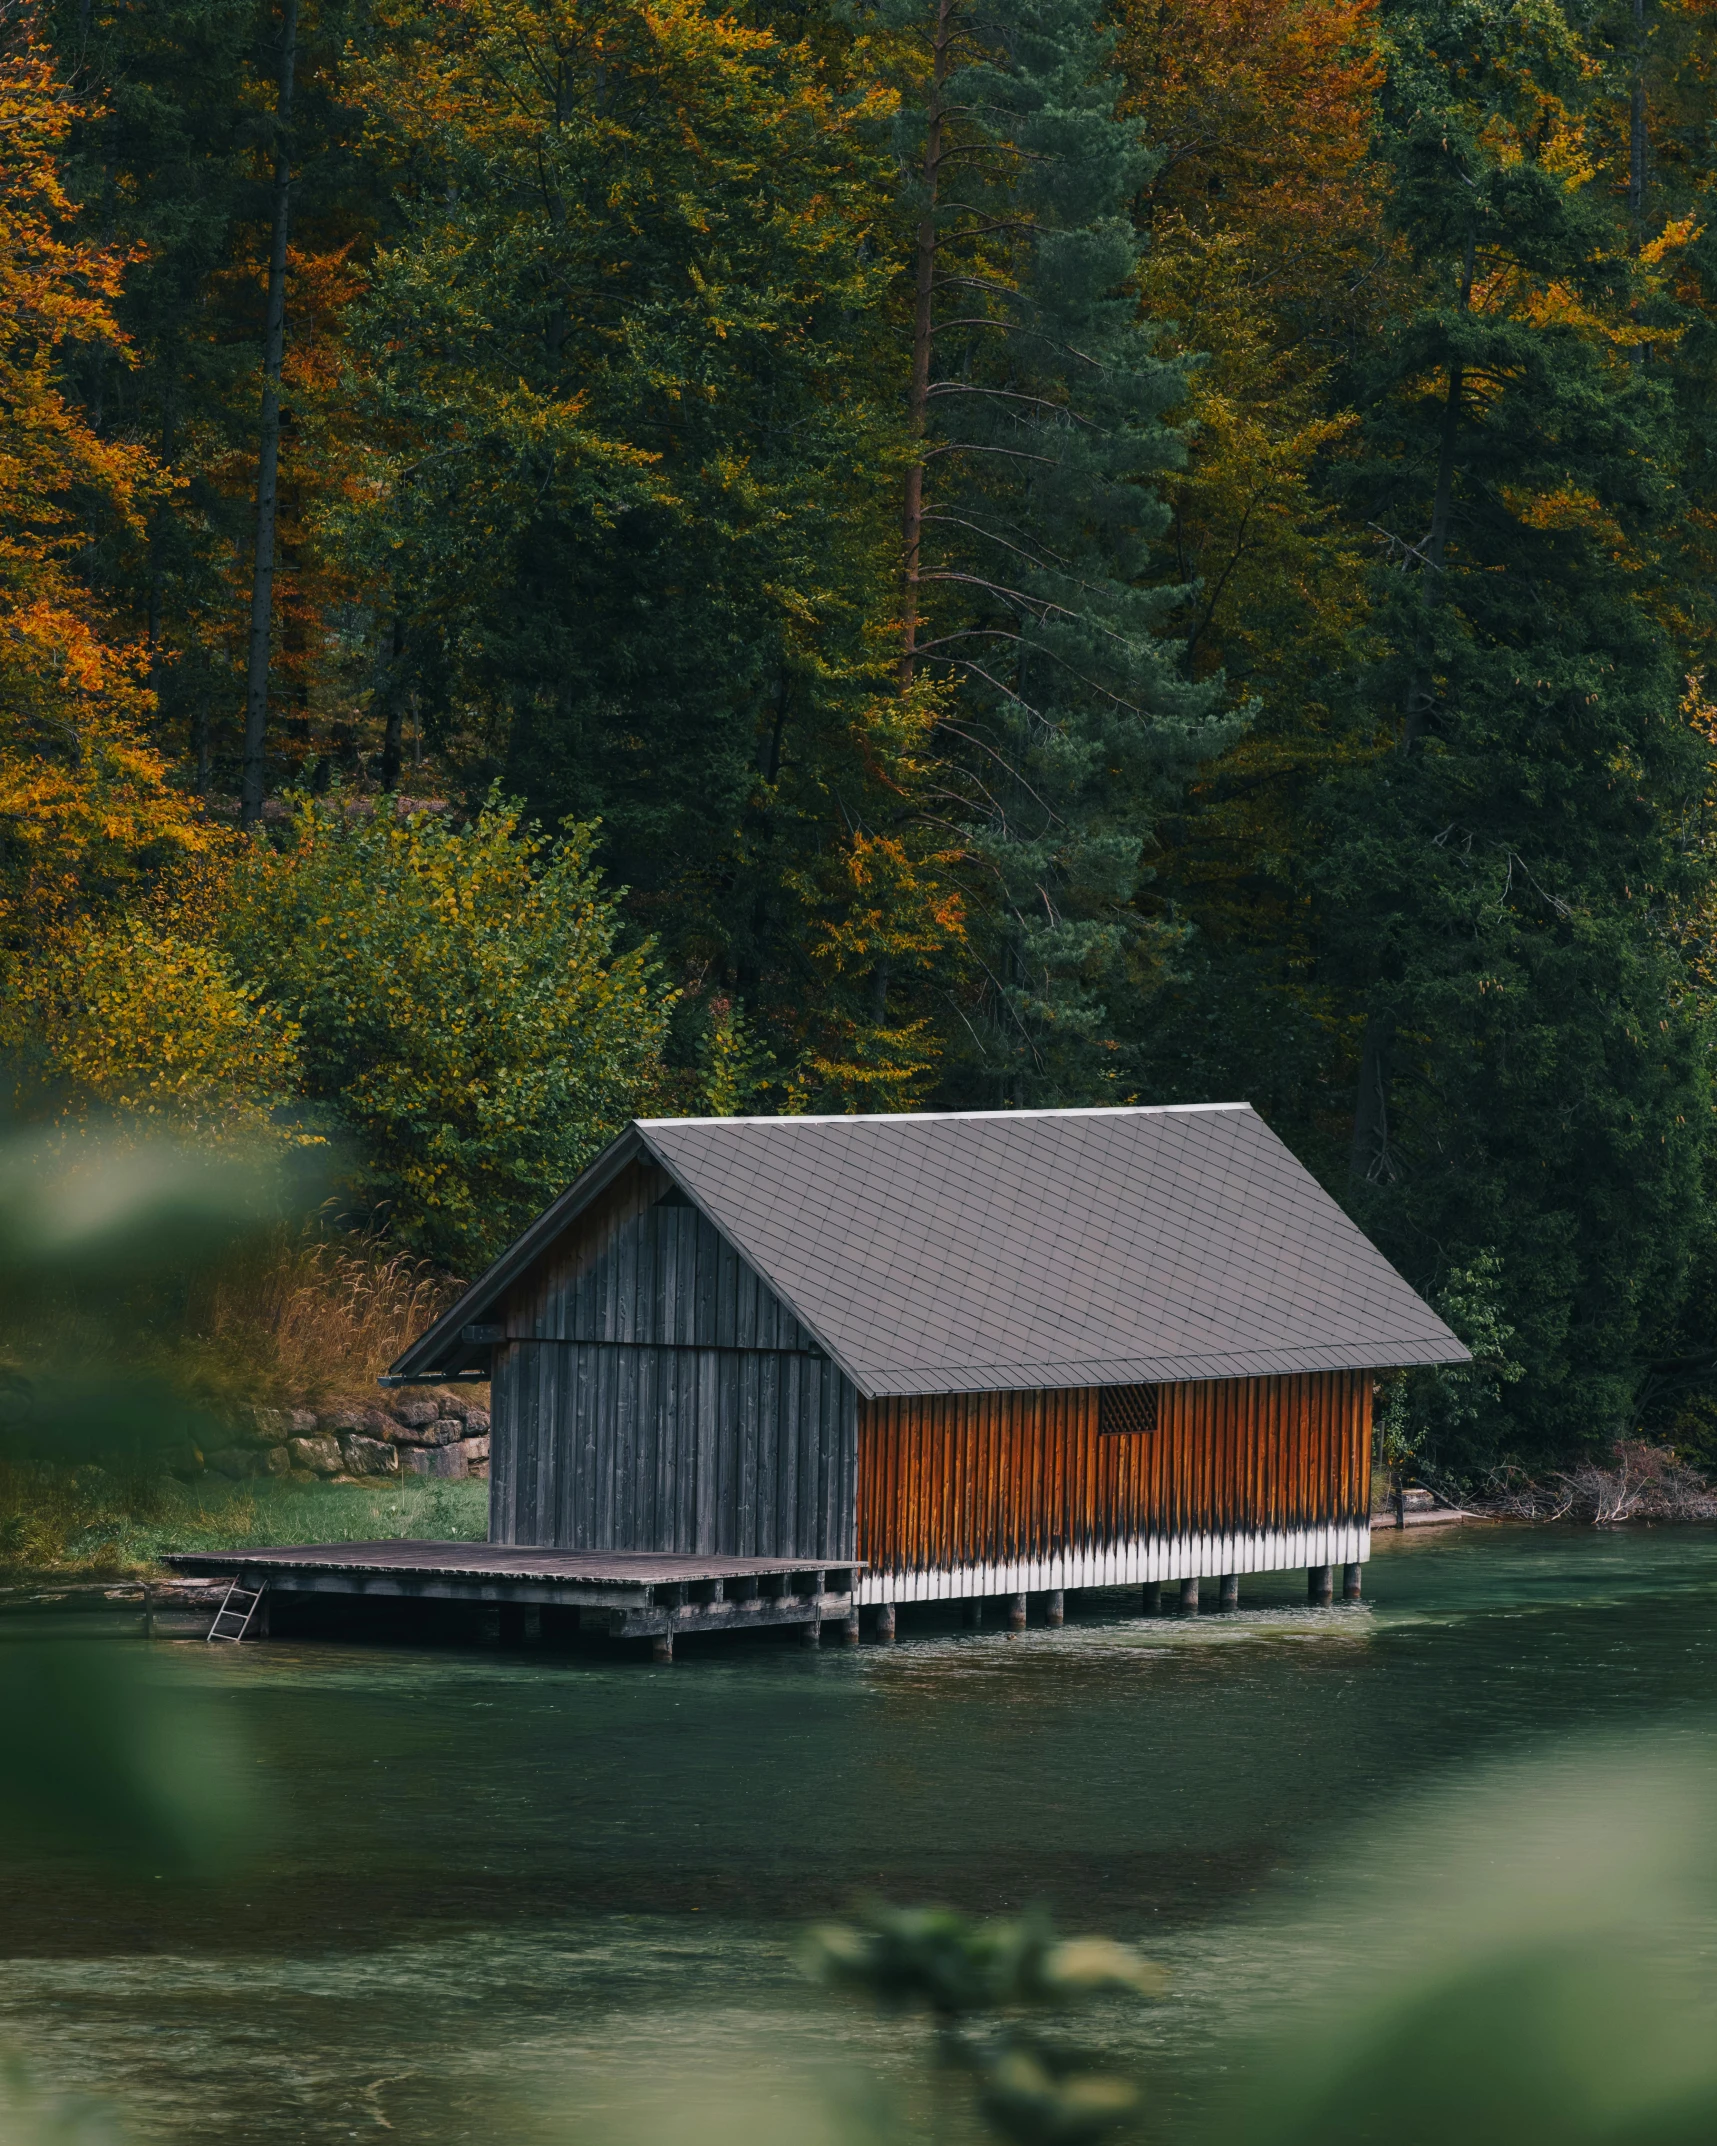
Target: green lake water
518, 1897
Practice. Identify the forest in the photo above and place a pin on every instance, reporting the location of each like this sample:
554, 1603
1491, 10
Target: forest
562, 559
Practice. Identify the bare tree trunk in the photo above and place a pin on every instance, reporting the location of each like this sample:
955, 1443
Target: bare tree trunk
923, 335
268, 460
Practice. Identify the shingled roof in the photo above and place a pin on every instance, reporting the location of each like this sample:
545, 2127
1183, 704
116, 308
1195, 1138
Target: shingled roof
972, 1251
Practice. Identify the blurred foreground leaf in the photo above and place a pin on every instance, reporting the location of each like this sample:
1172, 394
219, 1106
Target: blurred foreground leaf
110, 1751
29, 2118
1515, 1989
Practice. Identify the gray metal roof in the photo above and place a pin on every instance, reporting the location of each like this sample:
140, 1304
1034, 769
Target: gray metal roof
982, 1250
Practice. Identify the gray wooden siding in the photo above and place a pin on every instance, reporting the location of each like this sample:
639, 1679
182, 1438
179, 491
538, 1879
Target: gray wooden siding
631, 1446
632, 1270
653, 1394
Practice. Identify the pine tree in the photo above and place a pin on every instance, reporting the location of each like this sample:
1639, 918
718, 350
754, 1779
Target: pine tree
1530, 1089
626, 505
1038, 406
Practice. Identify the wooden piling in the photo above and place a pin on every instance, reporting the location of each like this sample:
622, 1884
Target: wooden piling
811, 1635
1016, 1614
1054, 1607
662, 1647
1230, 1596
1153, 1604
885, 1623
1350, 1582
850, 1627
973, 1613
1320, 1584
1189, 1594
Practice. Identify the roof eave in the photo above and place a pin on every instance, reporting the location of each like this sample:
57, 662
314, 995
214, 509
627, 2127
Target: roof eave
435, 1355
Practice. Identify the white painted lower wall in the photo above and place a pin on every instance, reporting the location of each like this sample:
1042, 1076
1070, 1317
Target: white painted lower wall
1178, 1557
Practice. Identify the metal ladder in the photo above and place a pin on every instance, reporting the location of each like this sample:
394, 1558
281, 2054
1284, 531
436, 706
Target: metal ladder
232, 1619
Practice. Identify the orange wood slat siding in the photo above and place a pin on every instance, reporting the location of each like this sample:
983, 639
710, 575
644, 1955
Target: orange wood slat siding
974, 1478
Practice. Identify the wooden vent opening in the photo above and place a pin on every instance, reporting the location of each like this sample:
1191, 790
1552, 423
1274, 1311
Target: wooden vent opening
1126, 1411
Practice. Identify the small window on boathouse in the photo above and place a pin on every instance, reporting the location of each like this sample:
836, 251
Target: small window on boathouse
1126, 1411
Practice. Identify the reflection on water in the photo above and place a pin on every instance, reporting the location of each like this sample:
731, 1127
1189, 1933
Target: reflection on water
535, 1893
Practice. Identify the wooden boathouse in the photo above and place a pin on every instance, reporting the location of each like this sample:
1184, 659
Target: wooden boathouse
965, 1355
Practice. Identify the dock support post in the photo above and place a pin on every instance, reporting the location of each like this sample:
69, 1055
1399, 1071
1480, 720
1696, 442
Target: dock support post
811, 1635
662, 1647
1230, 1596
885, 1624
1320, 1584
1153, 1598
974, 1613
1189, 1594
1055, 1607
850, 1627
1350, 1582
1016, 1614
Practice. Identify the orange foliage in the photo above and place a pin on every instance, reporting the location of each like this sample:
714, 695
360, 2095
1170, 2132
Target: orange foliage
1262, 111
81, 791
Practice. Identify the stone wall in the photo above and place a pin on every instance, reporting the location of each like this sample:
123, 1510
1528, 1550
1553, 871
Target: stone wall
416, 1433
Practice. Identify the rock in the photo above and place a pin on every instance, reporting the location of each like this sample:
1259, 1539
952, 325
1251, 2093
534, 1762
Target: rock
414, 1460
321, 1455
416, 1413
369, 1456
456, 1404
303, 1422
476, 1449
447, 1461
269, 1425
236, 1461
369, 1421
481, 1472
477, 1423
442, 1431
277, 1461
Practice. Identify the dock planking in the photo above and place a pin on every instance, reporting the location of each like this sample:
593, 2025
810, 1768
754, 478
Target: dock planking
627, 1594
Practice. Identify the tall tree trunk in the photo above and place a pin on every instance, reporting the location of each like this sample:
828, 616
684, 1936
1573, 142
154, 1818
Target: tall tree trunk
1370, 1160
391, 735
268, 460
923, 336
1637, 352
1636, 135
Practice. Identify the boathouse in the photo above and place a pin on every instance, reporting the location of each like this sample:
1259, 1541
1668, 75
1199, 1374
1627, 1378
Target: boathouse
973, 1354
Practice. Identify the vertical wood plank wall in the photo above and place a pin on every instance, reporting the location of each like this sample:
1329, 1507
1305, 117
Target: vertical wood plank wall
654, 1394
962, 1480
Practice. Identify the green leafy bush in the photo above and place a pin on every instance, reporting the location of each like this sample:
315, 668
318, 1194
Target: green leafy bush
466, 1017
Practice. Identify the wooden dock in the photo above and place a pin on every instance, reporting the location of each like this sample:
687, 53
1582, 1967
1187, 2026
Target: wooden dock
621, 1594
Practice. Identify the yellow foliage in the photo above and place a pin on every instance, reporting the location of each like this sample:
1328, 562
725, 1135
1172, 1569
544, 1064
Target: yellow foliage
125, 1017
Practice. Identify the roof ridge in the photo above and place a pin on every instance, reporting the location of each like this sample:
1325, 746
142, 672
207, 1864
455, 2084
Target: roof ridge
926, 1117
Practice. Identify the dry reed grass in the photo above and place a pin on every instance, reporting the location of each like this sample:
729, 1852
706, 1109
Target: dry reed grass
298, 1321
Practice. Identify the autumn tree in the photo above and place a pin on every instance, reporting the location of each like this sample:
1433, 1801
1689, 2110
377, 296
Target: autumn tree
84, 800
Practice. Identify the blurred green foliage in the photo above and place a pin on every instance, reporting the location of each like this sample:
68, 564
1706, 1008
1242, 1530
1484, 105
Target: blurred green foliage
981, 1981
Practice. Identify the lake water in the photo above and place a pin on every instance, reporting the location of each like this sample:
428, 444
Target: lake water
532, 1896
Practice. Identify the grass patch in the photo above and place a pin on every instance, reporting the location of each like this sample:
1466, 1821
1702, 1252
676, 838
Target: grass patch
87, 1519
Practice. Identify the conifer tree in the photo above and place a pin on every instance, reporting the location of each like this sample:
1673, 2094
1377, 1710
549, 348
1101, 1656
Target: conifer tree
1530, 1089
1037, 408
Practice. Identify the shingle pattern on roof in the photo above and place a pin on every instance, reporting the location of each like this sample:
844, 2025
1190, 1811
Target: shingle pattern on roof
1023, 1249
